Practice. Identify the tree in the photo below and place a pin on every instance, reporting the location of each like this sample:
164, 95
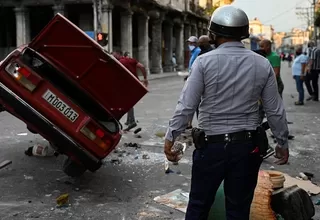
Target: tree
209, 11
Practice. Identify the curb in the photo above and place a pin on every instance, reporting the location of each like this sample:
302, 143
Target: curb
163, 76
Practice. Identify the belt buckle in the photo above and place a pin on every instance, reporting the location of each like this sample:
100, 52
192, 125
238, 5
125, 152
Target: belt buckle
227, 138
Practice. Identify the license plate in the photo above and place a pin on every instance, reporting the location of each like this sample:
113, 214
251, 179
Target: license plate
60, 105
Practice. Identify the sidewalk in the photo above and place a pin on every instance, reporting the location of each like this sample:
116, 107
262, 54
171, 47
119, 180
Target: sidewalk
166, 75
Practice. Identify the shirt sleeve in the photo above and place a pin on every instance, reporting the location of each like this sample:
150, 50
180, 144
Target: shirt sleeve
188, 102
304, 59
274, 108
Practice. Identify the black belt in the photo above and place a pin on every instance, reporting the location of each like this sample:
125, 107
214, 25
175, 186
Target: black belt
232, 137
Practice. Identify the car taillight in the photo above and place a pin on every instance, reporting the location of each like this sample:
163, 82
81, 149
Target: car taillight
23, 76
96, 135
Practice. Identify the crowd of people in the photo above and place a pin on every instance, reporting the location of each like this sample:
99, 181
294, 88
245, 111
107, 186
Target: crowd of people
305, 70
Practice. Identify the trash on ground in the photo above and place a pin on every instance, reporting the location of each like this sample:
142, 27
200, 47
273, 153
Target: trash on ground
28, 177
22, 134
176, 200
303, 176
5, 163
134, 145
137, 130
307, 185
145, 156
39, 150
138, 136
116, 161
309, 175
160, 134
62, 200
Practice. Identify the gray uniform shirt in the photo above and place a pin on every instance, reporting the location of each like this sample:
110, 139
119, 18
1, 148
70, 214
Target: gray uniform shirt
227, 83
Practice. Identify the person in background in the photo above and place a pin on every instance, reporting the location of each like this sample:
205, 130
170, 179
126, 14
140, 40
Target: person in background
290, 56
313, 70
298, 69
275, 62
132, 65
195, 50
204, 44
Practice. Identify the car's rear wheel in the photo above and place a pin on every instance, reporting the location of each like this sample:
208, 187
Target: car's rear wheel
73, 168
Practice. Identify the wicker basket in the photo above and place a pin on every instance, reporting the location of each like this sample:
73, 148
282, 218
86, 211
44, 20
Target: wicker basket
261, 204
277, 178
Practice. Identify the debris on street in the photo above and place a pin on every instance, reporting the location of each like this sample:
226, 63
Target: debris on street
134, 145
307, 185
160, 134
22, 134
137, 130
145, 156
176, 200
62, 200
41, 151
28, 177
5, 163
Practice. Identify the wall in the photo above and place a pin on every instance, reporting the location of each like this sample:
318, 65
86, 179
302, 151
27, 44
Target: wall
178, 4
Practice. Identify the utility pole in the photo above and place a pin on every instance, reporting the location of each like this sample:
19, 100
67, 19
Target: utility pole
314, 26
97, 16
308, 14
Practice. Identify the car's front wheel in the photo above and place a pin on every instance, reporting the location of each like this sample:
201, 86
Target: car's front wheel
73, 168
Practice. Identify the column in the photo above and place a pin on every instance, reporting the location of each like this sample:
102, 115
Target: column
194, 30
22, 25
200, 29
205, 29
58, 9
143, 41
168, 34
156, 46
180, 46
106, 24
187, 34
126, 31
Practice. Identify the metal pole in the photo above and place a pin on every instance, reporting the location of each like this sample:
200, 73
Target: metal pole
314, 26
95, 19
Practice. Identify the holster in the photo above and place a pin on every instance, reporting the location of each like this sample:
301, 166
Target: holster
199, 138
261, 140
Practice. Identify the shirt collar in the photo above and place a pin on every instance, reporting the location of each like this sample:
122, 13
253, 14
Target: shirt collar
231, 44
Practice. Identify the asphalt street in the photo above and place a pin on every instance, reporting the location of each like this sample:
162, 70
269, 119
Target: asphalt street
124, 188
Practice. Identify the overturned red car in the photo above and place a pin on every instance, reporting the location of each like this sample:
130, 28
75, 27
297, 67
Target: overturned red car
68, 89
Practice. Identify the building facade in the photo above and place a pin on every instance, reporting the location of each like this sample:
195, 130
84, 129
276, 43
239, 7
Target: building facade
297, 37
150, 30
277, 39
258, 29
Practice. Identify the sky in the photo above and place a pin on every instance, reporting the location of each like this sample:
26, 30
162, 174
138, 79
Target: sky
279, 13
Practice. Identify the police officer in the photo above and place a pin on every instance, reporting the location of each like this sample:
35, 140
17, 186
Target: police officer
227, 83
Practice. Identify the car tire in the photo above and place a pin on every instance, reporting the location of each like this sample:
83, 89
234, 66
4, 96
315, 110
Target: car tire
73, 168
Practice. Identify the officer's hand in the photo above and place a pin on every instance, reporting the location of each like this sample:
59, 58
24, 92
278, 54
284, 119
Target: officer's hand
282, 155
171, 155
